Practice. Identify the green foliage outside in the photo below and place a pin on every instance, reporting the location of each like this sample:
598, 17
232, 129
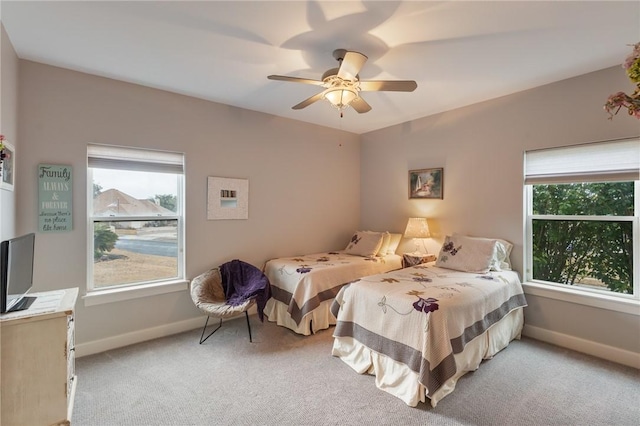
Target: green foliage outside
104, 240
167, 201
568, 251
97, 190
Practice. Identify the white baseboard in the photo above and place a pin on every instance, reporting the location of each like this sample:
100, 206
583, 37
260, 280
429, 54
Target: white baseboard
97, 346
610, 353
138, 336
599, 350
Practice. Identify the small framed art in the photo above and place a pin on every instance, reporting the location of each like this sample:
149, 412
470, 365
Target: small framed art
426, 183
227, 198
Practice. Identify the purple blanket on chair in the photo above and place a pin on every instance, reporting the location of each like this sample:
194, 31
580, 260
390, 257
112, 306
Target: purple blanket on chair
242, 281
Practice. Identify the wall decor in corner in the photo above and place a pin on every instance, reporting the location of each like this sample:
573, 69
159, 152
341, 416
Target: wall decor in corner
7, 164
426, 183
55, 198
227, 198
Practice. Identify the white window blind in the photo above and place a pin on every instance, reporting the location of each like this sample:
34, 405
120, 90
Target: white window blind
603, 161
143, 160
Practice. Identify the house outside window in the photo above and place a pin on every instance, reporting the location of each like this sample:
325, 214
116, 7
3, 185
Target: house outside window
136, 222
583, 218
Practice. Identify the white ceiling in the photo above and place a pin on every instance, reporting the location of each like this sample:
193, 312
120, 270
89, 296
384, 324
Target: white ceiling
458, 52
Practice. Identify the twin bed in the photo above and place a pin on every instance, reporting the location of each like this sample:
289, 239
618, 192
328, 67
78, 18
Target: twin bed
418, 329
303, 287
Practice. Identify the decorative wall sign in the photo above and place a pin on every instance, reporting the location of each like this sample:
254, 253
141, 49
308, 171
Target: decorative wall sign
7, 167
227, 198
55, 198
426, 183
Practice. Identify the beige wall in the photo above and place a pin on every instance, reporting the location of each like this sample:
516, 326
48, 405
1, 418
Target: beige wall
481, 149
309, 186
303, 182
8, 125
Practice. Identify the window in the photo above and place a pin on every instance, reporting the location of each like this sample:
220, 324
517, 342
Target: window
583, 218
135, 211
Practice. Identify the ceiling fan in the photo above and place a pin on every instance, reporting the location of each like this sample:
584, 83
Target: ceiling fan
342, 85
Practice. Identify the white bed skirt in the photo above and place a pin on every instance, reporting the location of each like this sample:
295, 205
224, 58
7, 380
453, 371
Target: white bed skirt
398, 380
320, 318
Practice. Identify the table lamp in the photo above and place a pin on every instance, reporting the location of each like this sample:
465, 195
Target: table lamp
418, 229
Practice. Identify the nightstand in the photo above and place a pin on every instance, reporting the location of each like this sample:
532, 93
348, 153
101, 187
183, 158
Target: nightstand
412, 259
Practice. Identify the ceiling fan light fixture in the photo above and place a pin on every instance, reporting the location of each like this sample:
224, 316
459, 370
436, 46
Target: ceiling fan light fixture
342, 85
340, 97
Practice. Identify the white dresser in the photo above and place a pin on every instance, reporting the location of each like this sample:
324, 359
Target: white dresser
37, 367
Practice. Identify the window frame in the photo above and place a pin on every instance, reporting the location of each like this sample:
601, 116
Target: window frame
625, 303
137, 289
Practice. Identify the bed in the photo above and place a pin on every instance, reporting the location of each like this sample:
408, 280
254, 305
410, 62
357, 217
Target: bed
419, 329
303, 287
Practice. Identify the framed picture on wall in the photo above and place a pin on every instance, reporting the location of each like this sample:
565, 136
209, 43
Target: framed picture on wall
426, 183
227, 198
8, 166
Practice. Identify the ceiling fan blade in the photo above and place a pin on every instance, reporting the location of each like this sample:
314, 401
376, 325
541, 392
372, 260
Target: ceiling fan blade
360, 105
308, 101
295, 79
351, 65
390, 86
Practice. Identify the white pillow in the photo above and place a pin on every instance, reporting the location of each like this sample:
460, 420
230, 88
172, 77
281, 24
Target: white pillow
394, 242
501, 260
364, 243
467, 254
386, 239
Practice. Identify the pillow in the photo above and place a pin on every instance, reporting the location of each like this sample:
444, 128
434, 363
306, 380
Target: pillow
364, 244
501, 260
386, 239
394, 243
467, 254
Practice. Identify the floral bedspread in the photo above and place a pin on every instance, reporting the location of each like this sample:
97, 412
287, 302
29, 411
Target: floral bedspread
422, 316
303, 282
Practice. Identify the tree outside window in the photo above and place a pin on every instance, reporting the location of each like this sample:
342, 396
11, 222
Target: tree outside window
585, 245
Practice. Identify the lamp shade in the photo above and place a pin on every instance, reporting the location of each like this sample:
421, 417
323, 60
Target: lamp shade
417, 227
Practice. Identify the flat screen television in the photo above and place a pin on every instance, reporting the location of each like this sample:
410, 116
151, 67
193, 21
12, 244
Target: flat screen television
16, 273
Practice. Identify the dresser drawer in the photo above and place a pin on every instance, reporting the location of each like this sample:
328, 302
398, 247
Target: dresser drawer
71, 353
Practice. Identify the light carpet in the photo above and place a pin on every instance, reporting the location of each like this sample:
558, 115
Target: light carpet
286, 379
